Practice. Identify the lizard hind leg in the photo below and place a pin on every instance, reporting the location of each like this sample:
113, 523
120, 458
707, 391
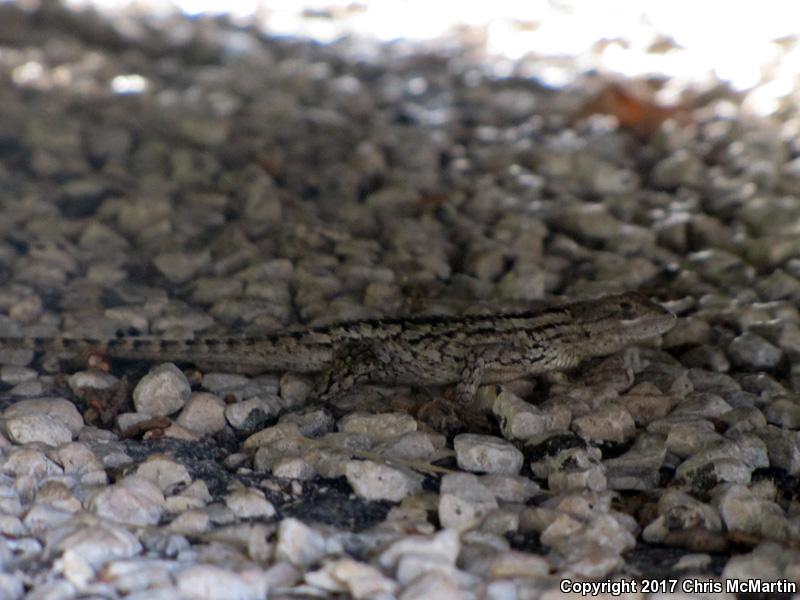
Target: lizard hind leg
455, 417
353, 364
469, 380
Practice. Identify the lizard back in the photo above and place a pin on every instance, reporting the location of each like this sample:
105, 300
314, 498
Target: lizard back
568, 332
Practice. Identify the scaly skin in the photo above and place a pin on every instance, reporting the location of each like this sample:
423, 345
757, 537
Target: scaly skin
424, 350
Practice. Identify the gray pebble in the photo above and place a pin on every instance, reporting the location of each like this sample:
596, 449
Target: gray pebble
751, 351
208, 290
203, 414
181, 322
702, 404
189, 522
578, 477
375, 481
208, 581
678, 510
511, 488
92, 379
29, 428
415, 445
17, 358
313, 424
380, 427
11, 586
134, 501
60, 409
783, 412
519, 420
783, 448
778, 285
524, 283
269, 453
250, 415
708, 357
646, 403
298, 543
687, 438
742, 510
78, 458
249, 503
752, 566
487, 454
168, 475
680, 168
612, 423
346, 575
219, 383
180, 267
127, 420
98, 543
294, 389
431, 584
687, 331
464, 501
794, 375
638, 468
441, 548
743, 419
724, 461
709, 381
163, 391
293, 467
26, 389
14, 375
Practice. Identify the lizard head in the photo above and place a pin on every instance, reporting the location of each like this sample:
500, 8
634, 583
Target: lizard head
611, 323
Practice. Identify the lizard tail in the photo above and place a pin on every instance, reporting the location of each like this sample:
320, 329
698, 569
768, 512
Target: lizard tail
51, 344
218, 350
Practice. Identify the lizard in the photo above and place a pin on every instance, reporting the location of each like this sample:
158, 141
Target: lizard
467, 351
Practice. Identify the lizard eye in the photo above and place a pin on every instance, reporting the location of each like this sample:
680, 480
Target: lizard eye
627, 309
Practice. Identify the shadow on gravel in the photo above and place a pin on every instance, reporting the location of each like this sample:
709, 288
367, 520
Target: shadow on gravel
328, 501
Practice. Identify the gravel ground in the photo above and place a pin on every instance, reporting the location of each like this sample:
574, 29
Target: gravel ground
196, 178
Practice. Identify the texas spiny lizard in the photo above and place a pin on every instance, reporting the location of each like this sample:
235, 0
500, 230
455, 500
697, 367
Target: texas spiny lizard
416, 350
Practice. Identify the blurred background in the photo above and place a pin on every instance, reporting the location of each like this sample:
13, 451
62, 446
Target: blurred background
750, 46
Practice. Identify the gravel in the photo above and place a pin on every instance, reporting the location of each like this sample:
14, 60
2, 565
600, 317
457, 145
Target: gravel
31, 428
464, 501
163, 391
486, 454
256, 183
203, 414
373, 481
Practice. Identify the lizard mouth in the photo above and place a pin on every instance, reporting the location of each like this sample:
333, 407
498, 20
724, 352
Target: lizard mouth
650, 325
